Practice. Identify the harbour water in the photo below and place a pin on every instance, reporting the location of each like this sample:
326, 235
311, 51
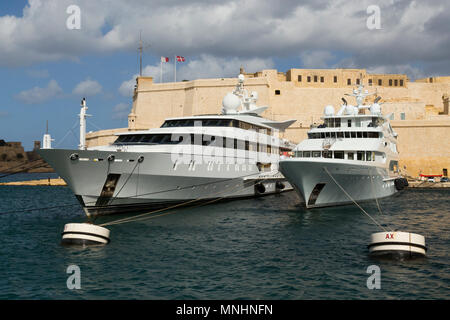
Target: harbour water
266, 248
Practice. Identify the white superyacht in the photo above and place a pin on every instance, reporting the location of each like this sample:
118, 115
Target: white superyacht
351, 157
230, 155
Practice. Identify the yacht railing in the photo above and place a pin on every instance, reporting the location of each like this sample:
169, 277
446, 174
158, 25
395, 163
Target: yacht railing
328, 142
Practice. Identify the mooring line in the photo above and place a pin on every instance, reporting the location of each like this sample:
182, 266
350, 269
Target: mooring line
376, 199
26, 167
139, 195
141, 216
326, 170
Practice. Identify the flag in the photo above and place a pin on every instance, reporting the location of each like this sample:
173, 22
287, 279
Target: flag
164, 59
180, 58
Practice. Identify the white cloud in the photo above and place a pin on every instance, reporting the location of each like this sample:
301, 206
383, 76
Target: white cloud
205, 66
121, 111
40, 95
411, 71
127, 87
316, 58
208, 66
412, 31
87, 88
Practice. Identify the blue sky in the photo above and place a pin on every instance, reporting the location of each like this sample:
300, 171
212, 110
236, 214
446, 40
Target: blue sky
45, 68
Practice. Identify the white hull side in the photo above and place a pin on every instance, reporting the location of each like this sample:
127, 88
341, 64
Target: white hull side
153, 183
361, 182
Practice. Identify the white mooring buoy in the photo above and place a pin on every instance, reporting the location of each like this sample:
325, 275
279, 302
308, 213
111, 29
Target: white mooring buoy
84, 233
397, 243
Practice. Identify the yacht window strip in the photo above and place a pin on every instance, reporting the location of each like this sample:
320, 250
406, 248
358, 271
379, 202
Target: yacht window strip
340, 154
204, 139
216, 123
345, 134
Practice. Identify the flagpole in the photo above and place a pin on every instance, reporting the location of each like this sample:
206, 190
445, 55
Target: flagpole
175, 75
160, 75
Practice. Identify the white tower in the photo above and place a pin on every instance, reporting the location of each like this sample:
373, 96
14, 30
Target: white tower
47, 140
83, 116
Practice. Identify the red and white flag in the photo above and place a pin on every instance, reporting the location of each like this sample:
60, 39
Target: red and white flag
180, 59
164, 59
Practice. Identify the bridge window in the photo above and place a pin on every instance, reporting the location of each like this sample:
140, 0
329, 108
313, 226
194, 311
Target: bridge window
360, 155
299, 78
335, 79
308, 78
327, 154
339, 154
322, 79
350, 155
349, 82
316, 154
307, 154
277, 92
380, 82
315, 78
401, 82
393, 165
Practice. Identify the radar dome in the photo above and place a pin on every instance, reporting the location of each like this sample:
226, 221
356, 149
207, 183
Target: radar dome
351, 110
231, 103
241, 77
375, 108
329, 110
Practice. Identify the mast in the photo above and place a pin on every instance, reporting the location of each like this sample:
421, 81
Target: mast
47, 139
83, 116
140, 48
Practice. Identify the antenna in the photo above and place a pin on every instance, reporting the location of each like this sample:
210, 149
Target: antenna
141, 49
46, 128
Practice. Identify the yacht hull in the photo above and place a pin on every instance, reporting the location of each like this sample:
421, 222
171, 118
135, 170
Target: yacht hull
318, 189
108, 182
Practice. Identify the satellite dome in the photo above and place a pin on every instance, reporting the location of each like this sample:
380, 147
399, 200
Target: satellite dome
231, 103
329, 110
241, 78
351, 110
375, 108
